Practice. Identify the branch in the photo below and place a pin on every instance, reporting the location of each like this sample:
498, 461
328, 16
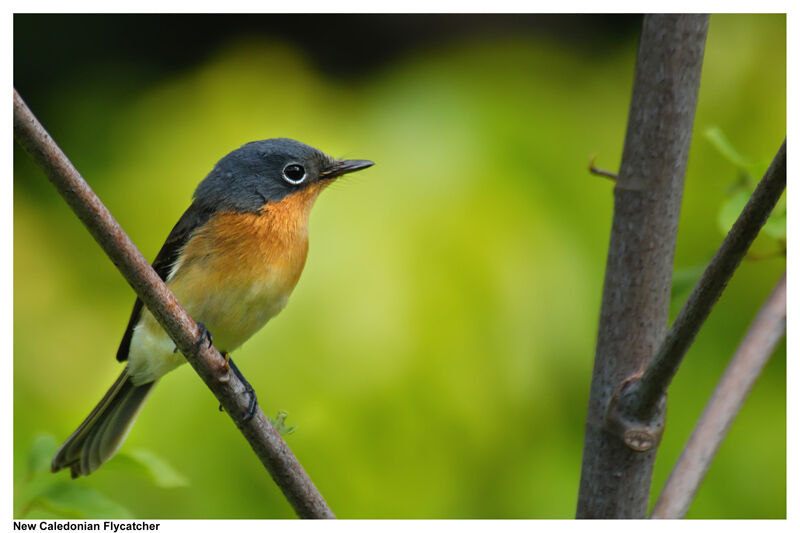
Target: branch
617, 466
599, 171
642, 397
753, 353
270, 448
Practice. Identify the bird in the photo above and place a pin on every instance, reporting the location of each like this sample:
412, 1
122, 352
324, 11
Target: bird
232, 260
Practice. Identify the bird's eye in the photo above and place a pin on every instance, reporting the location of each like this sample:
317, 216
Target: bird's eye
294, 173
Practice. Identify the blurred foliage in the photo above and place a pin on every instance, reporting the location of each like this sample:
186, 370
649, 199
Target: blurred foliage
749, 173
738, 194
437, 352
44, 495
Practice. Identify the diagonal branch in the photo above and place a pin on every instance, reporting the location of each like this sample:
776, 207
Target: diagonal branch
642, 397
753, 353
267, 444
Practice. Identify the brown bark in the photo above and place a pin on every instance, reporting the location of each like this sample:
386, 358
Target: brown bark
617, 465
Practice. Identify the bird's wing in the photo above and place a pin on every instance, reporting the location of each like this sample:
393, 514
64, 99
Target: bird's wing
193, 218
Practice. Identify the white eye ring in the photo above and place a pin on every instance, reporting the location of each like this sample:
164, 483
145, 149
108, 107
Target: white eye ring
291, 173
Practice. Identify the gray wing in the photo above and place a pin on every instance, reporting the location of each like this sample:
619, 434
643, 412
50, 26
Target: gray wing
192, 218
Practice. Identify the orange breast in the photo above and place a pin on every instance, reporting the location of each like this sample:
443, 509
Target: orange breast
239, 270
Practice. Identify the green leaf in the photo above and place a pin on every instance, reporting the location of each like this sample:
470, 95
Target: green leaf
156, 468
731, 209
776, 225
71, 499
279, 423
39, 478
724, 146
32, 490
42, 450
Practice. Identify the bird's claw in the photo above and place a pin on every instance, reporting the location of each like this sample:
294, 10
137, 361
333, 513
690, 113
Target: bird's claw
251, 407
205, 335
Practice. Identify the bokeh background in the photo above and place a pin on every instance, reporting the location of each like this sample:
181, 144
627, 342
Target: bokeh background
435, 357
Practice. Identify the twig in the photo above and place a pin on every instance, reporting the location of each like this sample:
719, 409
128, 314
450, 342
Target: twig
599, 171
644, 395
753, 353
618, 465
270, 448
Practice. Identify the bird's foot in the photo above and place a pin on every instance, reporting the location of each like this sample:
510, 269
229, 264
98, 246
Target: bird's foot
205, 335
251, 408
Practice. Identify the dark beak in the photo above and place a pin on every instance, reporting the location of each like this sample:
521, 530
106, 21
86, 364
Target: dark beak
344, 166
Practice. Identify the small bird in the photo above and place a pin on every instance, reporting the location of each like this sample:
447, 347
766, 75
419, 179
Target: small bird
232, 260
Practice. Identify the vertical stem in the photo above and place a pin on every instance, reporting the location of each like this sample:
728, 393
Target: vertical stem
615, 479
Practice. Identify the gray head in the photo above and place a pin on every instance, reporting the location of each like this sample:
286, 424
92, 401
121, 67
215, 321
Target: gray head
267, 171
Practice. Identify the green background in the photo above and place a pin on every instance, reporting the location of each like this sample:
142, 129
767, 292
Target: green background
436, 354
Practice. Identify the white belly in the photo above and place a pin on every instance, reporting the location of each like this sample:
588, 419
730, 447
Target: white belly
232, 316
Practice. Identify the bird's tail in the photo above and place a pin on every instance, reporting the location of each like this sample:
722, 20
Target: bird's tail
99, 437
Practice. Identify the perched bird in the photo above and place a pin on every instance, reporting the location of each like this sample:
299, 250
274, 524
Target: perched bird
232, 260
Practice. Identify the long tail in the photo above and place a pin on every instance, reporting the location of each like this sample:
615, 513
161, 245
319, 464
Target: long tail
99, 437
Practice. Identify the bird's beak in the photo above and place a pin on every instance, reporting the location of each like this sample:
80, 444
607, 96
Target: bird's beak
344, 166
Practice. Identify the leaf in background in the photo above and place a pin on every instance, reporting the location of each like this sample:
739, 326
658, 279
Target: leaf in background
724, 146
749, 169
41, 453
38, 479
774, 227
48, 496
32, 490
73, 500
154, 467
776, 223
731, 209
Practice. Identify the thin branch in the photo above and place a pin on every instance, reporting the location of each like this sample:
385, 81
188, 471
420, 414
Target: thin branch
642, 398
618, 465
753, 353
270, 448
599, 171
